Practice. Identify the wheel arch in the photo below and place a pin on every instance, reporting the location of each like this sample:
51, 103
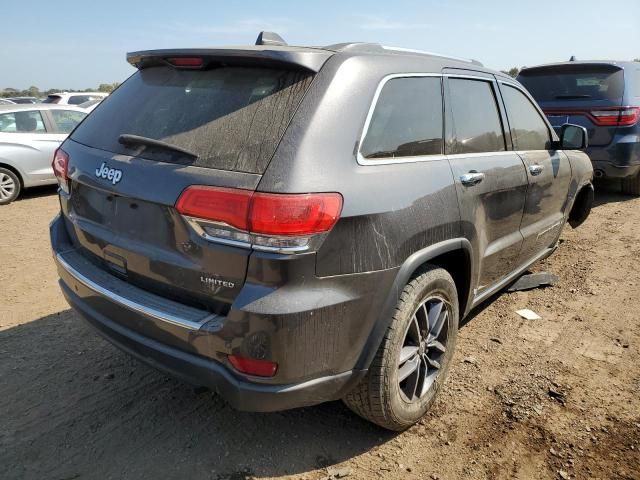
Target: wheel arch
582, 204
455, 256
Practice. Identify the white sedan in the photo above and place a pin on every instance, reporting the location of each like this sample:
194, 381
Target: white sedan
29, 136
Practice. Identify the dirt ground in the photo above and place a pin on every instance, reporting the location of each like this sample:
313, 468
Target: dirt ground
544, 399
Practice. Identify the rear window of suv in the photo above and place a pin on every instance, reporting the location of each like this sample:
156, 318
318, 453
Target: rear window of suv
231, 118
579, 82
52, 99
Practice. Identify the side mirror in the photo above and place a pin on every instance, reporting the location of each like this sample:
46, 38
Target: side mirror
573, 137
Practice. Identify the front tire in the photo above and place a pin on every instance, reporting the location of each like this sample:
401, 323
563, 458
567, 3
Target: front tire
413, 359
9, 186
631, 185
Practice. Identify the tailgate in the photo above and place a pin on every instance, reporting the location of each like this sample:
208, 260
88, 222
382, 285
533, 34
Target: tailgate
132, 229
165, 129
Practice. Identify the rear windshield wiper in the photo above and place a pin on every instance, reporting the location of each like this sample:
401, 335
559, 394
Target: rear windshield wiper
566, 97
126, 139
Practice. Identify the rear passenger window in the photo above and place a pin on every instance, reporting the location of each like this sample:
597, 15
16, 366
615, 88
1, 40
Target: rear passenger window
66, 120
528, 129
406, 121
476, 125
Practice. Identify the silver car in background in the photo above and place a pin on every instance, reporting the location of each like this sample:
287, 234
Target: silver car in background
74, 98
29, 136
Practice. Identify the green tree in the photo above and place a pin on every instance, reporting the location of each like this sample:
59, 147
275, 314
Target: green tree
108, 87
637, 60
8, 92
32, 92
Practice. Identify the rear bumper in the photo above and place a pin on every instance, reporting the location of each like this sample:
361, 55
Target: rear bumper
201, 371
612, 170
618, 160
193, 344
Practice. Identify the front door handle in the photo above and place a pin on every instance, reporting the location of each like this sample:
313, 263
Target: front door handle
536, 169
471, 178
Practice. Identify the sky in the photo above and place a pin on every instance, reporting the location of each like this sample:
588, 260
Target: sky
77, 44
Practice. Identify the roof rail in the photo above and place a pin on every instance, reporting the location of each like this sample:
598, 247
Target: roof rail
360, 46
433, 54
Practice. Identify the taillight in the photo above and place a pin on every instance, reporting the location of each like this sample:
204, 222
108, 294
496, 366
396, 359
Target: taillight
616, 117
267, 221
60, 166
252, 366
307, 214
224, 205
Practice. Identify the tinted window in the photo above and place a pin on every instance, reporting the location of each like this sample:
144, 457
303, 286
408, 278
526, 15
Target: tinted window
528, 130
22, 100
232, 118
22, 122
52, 99
78, 99
407, 119
66, 120
579, 82
476, 125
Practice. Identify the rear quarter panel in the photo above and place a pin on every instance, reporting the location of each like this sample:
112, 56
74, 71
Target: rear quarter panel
30, 155
390, 211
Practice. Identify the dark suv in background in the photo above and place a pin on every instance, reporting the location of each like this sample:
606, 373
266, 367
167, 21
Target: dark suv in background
291, 225
603, 97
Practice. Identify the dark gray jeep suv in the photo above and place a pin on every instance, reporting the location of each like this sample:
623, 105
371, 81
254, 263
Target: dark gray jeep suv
289, 225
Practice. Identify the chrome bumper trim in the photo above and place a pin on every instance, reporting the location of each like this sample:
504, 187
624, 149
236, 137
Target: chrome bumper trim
132, 305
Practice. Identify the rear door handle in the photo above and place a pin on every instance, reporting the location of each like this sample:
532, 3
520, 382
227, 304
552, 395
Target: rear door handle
471, 178
536, 169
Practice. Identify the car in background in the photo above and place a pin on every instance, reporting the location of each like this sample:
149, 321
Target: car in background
603, 97
29, 136
74, 98
90, 105
5, 101
22, 100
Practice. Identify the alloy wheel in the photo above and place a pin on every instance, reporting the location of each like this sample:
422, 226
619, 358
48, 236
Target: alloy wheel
7, 186
423, 348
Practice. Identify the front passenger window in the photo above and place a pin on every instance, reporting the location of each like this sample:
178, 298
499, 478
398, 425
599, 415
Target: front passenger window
528, 130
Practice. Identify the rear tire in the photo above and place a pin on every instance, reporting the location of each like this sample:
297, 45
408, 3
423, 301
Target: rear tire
9, 186
421, 334
631, 185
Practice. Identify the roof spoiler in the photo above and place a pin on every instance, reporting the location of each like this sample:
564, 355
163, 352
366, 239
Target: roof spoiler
275, 57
